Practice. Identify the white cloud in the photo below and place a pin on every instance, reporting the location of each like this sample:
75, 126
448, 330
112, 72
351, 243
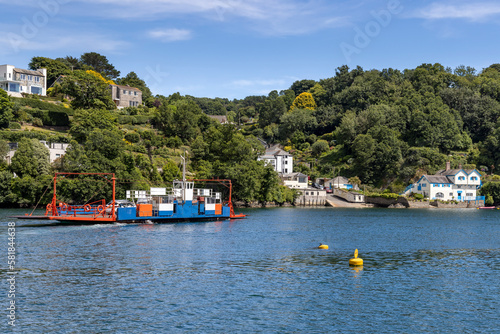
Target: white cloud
14, 42
470, 11
279, 17
171, 35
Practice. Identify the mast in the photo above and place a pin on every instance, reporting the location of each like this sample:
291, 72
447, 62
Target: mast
113, 210
54, 198
183, 177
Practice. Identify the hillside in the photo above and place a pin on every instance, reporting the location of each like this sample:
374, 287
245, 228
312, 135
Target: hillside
384, 127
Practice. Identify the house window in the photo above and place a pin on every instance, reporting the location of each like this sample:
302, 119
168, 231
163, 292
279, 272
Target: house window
135, 93
474, 178
36, 90
37, 79
307, 193
286, 171
10, 75
424, 185
451, 194
286, 162
124, 91
30, 78
469, 194
22, 76
439, 195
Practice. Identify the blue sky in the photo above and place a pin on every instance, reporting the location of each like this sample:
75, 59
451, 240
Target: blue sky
236, 48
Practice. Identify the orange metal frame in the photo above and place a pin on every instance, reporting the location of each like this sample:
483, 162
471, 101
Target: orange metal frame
96, 214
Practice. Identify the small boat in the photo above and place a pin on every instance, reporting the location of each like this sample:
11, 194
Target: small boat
487, 207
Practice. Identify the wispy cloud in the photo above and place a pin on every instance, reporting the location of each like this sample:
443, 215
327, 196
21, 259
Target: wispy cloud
469, 11
13, 42
279, 17
170, 35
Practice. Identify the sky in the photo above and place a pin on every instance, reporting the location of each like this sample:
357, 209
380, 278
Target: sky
236, 48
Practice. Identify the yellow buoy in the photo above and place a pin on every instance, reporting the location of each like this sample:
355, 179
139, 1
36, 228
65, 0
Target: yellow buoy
356, 261
321, 246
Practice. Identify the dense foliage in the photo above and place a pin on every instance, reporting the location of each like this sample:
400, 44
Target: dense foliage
383, 129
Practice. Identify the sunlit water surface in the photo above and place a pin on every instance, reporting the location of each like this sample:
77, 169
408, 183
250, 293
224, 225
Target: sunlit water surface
425, 271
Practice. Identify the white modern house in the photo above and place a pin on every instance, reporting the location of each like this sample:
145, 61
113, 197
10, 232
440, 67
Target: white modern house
449, 184
281, 160
16, 81
56, 150
295, 180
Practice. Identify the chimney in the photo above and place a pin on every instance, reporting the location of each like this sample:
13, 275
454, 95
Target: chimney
459, 166
448, 165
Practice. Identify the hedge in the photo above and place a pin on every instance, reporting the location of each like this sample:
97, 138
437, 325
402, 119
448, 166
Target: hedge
137, 119
54, 118
36, 103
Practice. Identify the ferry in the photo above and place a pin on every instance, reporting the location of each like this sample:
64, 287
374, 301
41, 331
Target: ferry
182, 202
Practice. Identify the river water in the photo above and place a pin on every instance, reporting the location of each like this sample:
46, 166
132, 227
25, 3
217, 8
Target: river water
425, 271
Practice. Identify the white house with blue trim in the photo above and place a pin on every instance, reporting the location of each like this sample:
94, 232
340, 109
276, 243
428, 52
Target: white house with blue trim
450, 184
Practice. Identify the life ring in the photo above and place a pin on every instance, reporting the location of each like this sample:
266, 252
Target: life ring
49, 206
64, 207
86, 207
100, 209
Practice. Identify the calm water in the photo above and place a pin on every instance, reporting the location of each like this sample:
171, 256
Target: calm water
426, 271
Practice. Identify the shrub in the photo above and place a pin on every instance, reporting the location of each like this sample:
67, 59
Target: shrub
14, 125
389, 196
132, 137
37, 122
418, 196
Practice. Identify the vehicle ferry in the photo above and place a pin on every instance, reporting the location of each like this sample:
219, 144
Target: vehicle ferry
182, 202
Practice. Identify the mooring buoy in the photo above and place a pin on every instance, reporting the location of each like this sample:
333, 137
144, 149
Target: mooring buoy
356, 261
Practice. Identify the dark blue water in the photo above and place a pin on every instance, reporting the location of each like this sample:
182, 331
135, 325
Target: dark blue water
425, 271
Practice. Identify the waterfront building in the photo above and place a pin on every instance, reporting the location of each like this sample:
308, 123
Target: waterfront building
449, 184
295, 180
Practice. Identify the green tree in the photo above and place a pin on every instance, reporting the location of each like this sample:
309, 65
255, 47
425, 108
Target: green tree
319, 147
171, 172
270, 111
492, 191
86, 120
5, 109
297, 120
100, 64
55, 68
319, 94
87, 91
133, 80
31, 158
302, 86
